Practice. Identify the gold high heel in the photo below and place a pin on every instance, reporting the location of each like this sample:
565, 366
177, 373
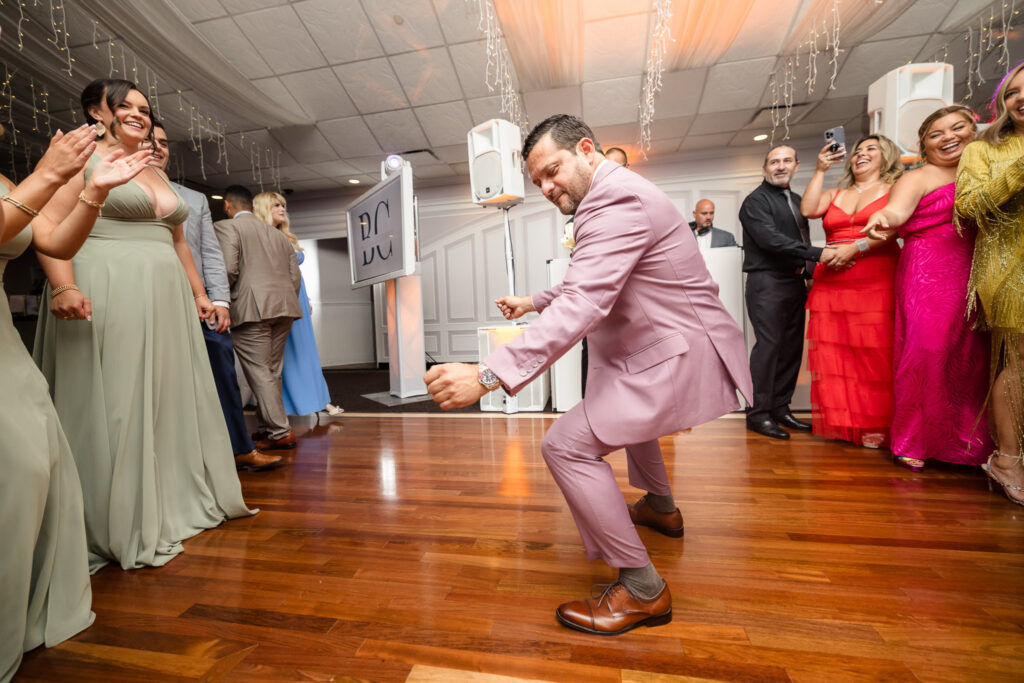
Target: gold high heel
1007, 486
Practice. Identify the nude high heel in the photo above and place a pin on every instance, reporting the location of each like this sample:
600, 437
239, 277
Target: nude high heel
1013, 492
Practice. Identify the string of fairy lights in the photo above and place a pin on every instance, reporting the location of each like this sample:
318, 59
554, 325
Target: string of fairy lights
122, 62
500, 73
782, 83
660, 38
990, 36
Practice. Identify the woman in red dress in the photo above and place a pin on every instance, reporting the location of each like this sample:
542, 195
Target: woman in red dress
852, 304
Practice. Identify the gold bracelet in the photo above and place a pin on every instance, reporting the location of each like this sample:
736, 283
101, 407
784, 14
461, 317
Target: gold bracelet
199, 295
89, 202
14, 202
62, 289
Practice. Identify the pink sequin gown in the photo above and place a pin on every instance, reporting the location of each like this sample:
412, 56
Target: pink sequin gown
941, 364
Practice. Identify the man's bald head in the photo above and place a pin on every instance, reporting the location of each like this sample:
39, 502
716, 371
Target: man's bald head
704, 214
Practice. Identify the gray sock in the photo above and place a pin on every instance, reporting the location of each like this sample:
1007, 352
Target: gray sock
661, 503
643, 582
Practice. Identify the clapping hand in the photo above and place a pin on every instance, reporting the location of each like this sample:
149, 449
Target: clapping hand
116, 169
67, 154
877, 227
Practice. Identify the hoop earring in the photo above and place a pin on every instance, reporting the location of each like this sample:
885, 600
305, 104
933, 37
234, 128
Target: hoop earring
101, 130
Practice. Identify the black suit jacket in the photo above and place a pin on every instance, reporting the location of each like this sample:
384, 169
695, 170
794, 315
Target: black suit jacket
771, 235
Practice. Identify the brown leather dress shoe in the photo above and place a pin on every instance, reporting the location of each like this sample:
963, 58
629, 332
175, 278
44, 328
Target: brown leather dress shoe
616, 611
265, 442
254, 461
668, 523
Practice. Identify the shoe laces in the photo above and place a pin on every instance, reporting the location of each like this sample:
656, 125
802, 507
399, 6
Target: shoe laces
605, 590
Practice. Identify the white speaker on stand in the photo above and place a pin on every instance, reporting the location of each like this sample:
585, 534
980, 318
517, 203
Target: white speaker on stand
900, 100
496, 179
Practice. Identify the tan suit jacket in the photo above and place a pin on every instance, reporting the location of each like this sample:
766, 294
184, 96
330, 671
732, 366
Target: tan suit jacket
262, 270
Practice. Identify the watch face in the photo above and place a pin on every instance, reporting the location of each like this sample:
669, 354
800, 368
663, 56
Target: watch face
488, 378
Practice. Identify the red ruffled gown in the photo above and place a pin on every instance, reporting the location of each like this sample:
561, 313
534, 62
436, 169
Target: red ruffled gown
850, 336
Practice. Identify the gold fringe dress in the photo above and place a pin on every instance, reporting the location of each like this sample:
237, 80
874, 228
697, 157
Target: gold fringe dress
990, 194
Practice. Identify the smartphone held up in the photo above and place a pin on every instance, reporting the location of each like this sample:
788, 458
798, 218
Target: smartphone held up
836, 138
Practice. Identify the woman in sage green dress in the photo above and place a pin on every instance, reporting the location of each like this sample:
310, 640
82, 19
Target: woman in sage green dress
126, 361
45, 596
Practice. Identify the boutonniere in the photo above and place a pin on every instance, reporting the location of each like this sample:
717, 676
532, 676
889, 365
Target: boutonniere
568, 237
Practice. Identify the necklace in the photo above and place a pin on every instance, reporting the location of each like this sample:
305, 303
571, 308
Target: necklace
860, 190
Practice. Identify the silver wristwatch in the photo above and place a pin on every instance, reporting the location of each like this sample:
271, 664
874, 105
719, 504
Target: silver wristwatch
486, 377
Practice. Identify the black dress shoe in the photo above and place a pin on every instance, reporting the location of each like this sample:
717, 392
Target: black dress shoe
767, 428
790, 422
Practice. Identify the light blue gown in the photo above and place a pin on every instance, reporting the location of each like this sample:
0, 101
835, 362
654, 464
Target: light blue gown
303, 385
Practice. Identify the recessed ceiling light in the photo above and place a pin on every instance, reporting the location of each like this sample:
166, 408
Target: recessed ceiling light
216, 196
354, 181
761, 137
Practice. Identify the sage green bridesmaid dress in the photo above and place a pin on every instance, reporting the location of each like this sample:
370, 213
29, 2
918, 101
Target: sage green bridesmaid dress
45, 596
135, 393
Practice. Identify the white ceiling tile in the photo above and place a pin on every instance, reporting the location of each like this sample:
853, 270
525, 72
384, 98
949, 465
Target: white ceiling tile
470, 61
224, 35
836, 109
280, 36
461, 169
372, 85
485, 109
721, 122
445, 124
541, 104
351, 137
369, 165
594, 10
405, 25
621, 135
460, 20
396, 131
962, 12
736, 85
870, 61
435, 171
674, 127
923, 16
320, 94
450, 154
658, 147
253, 141
274, 90
609, 102
292, 173
427, 76
332, 169
240, 6
199, 10
304, 142
693, 142
314, 184
764, 30
340, 29
614, 47
680, 93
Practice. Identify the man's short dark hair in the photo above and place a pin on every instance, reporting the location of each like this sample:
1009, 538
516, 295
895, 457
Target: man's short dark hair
239, 196
775, 147
157, 123
565, 130
619, 150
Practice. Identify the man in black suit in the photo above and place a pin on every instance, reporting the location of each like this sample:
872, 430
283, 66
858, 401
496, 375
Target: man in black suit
778, 259
708, 236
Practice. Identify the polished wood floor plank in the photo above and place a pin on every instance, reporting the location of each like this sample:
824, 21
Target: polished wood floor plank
437, 548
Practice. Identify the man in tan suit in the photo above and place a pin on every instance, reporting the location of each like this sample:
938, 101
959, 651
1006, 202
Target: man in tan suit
264, 278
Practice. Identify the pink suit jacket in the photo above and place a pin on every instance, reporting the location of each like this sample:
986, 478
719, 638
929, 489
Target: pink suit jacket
664, 353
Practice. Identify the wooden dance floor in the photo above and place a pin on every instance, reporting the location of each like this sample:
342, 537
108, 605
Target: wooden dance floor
436, 548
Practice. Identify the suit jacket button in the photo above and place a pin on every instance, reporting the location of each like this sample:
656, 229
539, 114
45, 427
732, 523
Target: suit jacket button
523, 373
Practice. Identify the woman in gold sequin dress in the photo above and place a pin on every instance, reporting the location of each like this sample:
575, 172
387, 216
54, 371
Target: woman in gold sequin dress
990, 193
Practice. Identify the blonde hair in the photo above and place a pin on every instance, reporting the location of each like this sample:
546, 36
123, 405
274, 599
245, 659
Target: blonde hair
261, 205
1001, 125
892, 167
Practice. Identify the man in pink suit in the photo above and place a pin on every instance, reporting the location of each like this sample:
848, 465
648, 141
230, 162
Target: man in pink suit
664, 355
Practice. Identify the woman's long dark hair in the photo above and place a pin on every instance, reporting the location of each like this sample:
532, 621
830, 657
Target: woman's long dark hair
113, 91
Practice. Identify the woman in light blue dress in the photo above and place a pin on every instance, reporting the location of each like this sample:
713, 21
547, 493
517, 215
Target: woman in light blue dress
302, 379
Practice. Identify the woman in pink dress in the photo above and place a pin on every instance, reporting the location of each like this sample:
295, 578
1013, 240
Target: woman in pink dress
851, 305
940, 363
